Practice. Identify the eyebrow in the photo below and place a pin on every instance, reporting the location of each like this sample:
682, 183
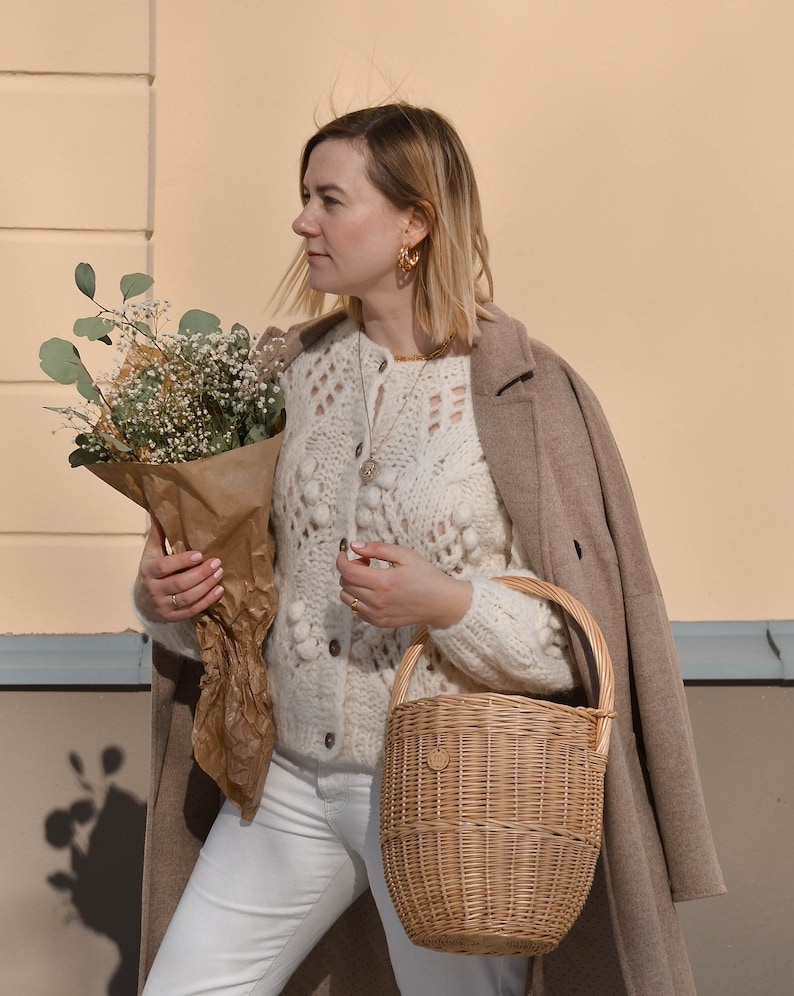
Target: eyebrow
324, 188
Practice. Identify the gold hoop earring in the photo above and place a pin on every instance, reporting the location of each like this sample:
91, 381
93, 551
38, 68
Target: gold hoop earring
408, 258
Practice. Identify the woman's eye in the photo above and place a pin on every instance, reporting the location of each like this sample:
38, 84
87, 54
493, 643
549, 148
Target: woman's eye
330, 202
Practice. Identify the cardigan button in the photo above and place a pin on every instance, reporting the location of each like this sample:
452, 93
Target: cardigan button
343, 546
359, 449
383, 365
334, 648
330, 740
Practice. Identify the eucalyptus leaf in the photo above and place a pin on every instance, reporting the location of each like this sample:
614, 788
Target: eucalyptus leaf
83, 458
61, 361
85, 278
242, 338
87, 388
255, 435
134, 284
144, 329
93, 328
115, 442
199, 322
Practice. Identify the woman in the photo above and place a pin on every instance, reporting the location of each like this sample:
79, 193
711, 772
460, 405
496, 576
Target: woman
429, 447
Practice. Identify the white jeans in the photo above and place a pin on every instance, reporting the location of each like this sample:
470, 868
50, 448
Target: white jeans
263, 893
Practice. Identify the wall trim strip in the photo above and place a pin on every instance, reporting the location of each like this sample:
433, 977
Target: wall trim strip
709, 651
81, 659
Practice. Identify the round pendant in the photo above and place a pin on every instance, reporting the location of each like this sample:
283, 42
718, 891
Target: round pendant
369, 469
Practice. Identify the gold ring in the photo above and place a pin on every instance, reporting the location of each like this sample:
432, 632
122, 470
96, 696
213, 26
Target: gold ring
354, 605
173, 601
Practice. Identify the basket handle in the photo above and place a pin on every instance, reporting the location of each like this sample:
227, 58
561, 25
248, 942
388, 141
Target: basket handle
577, 611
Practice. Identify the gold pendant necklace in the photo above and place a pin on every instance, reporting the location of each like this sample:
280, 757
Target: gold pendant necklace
369, 469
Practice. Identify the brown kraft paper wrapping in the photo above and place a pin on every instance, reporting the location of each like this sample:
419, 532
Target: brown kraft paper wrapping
221, 506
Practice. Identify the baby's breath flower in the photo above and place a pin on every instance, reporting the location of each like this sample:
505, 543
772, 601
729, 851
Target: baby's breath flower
176, 396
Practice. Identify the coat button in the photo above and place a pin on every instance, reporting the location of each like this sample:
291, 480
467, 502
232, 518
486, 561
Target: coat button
334, 648
330, 740
343, 546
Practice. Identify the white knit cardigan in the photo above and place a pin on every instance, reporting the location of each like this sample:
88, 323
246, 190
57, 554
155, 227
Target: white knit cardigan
330, 672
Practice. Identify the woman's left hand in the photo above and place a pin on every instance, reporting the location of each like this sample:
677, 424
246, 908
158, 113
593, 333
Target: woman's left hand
411, 592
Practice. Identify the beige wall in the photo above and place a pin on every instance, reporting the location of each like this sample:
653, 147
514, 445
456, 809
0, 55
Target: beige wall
633, 159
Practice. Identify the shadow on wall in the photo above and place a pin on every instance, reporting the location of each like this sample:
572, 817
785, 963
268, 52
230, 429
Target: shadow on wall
104, 831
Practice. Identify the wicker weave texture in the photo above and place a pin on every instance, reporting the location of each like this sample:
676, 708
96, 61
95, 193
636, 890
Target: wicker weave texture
491, 811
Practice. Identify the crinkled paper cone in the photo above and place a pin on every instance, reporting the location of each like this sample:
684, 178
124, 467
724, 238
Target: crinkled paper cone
221, 506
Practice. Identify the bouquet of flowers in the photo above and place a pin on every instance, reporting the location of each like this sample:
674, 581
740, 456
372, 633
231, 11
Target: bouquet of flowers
187, 426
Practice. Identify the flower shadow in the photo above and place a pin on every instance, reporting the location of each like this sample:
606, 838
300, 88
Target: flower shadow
104, 833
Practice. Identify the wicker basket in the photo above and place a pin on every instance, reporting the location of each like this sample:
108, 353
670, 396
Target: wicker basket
491, 807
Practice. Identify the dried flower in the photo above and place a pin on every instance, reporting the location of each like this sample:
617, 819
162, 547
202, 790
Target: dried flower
175, 396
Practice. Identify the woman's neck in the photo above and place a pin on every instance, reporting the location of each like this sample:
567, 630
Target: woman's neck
396, 329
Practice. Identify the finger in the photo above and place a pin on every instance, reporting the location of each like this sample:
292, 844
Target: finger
354, 603
163, 567
193, 585
178, 608
356, 576
389, 552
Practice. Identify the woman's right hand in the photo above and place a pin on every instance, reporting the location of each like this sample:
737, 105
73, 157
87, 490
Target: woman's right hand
174, 587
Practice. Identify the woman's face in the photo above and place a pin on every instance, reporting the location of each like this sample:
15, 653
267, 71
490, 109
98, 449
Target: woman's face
353, 233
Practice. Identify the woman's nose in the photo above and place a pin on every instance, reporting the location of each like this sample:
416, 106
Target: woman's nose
303, 224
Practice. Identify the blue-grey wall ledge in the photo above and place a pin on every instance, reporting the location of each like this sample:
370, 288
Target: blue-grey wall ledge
709, 651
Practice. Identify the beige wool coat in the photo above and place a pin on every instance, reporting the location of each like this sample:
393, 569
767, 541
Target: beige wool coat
558, 470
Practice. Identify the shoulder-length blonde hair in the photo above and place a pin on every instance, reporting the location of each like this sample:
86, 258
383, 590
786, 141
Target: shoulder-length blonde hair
416, 159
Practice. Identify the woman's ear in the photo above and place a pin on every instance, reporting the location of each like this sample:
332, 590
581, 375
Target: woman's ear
421, 219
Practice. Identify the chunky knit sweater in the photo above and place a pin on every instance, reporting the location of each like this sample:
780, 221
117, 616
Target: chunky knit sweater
331, 673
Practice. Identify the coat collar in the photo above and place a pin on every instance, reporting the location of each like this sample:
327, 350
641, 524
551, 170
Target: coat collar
501, 354
301, 337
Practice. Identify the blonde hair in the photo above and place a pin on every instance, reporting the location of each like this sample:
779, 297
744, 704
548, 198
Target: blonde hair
416, 159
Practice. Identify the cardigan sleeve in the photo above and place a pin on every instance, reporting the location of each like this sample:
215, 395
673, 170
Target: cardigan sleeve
509, 640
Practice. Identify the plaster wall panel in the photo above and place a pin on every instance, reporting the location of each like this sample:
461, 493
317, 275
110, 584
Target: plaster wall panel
93, 36
68, 584
81, 156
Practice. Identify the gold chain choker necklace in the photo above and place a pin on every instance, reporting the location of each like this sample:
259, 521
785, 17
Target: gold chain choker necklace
428, 356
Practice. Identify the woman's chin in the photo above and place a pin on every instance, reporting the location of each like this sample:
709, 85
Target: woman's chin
319, 285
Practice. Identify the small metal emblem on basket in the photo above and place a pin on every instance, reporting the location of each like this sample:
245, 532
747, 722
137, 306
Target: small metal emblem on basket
438, 759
